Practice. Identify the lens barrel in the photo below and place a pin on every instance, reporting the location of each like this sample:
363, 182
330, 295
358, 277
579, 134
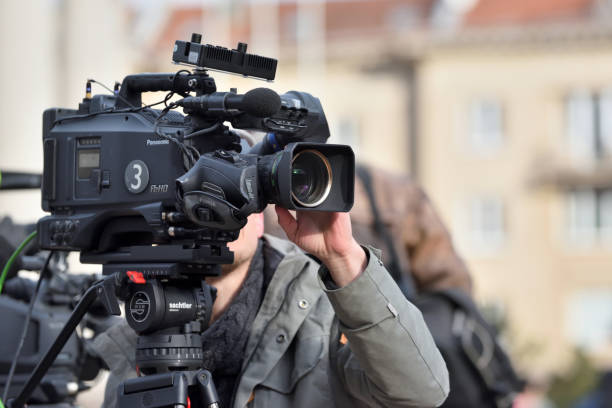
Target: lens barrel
309, 176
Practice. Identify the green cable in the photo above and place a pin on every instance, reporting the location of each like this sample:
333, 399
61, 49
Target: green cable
1, 404
16, 253
1, 186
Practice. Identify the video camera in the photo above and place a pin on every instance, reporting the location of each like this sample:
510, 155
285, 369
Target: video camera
155, 196
119, 178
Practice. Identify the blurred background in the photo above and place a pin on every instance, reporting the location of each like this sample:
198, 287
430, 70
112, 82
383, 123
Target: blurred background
501, 109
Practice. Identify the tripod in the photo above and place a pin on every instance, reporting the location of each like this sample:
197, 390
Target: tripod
169, 306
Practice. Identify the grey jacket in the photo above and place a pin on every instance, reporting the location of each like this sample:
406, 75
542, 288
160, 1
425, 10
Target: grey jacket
297, 354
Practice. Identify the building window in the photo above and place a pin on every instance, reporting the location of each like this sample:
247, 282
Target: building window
605, 216
605, 122
589, 216
589, 319
487, 224
486, 126
589, 125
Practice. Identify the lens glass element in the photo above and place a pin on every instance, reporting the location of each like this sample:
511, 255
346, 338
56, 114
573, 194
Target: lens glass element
311, 178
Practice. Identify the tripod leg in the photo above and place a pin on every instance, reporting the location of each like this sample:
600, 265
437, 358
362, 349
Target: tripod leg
79, 311
207, 389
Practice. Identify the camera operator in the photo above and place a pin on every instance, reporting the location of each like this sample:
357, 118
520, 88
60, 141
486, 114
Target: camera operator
283, 335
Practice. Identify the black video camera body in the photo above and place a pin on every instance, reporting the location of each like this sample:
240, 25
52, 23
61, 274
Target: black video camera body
126, 183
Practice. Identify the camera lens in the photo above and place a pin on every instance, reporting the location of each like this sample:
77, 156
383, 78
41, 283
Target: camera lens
311, 178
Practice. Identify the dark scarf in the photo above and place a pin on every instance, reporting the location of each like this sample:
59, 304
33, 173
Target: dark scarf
225, 340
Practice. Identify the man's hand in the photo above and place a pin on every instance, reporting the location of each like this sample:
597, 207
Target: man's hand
329, 237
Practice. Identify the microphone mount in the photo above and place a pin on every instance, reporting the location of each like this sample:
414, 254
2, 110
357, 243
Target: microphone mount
258, 102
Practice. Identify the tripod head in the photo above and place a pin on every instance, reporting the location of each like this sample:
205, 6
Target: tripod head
169, 316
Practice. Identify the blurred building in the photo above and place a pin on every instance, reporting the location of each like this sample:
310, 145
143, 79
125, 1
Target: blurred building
515, 147
49, 49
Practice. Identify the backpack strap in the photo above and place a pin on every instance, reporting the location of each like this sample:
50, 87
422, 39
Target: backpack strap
402, 278
479, 342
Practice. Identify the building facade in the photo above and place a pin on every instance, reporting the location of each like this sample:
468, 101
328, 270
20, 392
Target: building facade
515, 151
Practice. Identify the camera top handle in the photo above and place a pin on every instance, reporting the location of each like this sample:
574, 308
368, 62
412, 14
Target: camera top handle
182, 82
201, 57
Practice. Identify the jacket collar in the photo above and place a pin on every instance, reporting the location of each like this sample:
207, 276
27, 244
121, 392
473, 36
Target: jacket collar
279, 317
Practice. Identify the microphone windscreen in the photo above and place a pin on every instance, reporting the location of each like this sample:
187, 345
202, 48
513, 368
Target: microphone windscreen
261, 102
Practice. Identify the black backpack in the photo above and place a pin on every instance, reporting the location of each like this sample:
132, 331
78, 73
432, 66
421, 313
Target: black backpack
480, 371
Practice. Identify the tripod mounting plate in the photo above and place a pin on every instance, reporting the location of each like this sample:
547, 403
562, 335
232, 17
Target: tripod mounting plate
176, 389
